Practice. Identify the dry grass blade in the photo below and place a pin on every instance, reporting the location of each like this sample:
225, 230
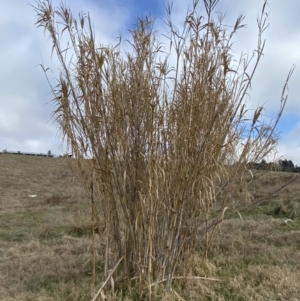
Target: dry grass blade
106, 280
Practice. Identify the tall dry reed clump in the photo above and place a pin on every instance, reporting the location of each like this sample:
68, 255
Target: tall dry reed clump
167, 144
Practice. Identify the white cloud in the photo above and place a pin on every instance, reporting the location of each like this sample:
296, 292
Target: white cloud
24, 93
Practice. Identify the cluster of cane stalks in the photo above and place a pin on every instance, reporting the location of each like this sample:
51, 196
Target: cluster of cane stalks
161, 134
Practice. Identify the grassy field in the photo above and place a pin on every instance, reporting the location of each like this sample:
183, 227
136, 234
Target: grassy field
45, 244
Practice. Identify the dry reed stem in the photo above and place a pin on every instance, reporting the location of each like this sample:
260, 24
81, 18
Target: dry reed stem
106, 280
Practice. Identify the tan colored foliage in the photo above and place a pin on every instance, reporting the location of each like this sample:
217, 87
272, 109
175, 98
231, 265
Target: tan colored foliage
168, 145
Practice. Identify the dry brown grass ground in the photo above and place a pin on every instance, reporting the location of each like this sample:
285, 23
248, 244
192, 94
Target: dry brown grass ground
45, 247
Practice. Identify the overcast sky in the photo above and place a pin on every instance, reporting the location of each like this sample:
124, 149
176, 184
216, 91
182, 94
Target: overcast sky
25, 112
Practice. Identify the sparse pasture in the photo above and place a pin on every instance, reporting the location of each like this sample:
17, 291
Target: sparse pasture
46, 253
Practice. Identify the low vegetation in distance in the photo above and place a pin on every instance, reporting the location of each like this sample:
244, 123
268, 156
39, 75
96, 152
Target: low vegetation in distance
48, 154
280, 165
